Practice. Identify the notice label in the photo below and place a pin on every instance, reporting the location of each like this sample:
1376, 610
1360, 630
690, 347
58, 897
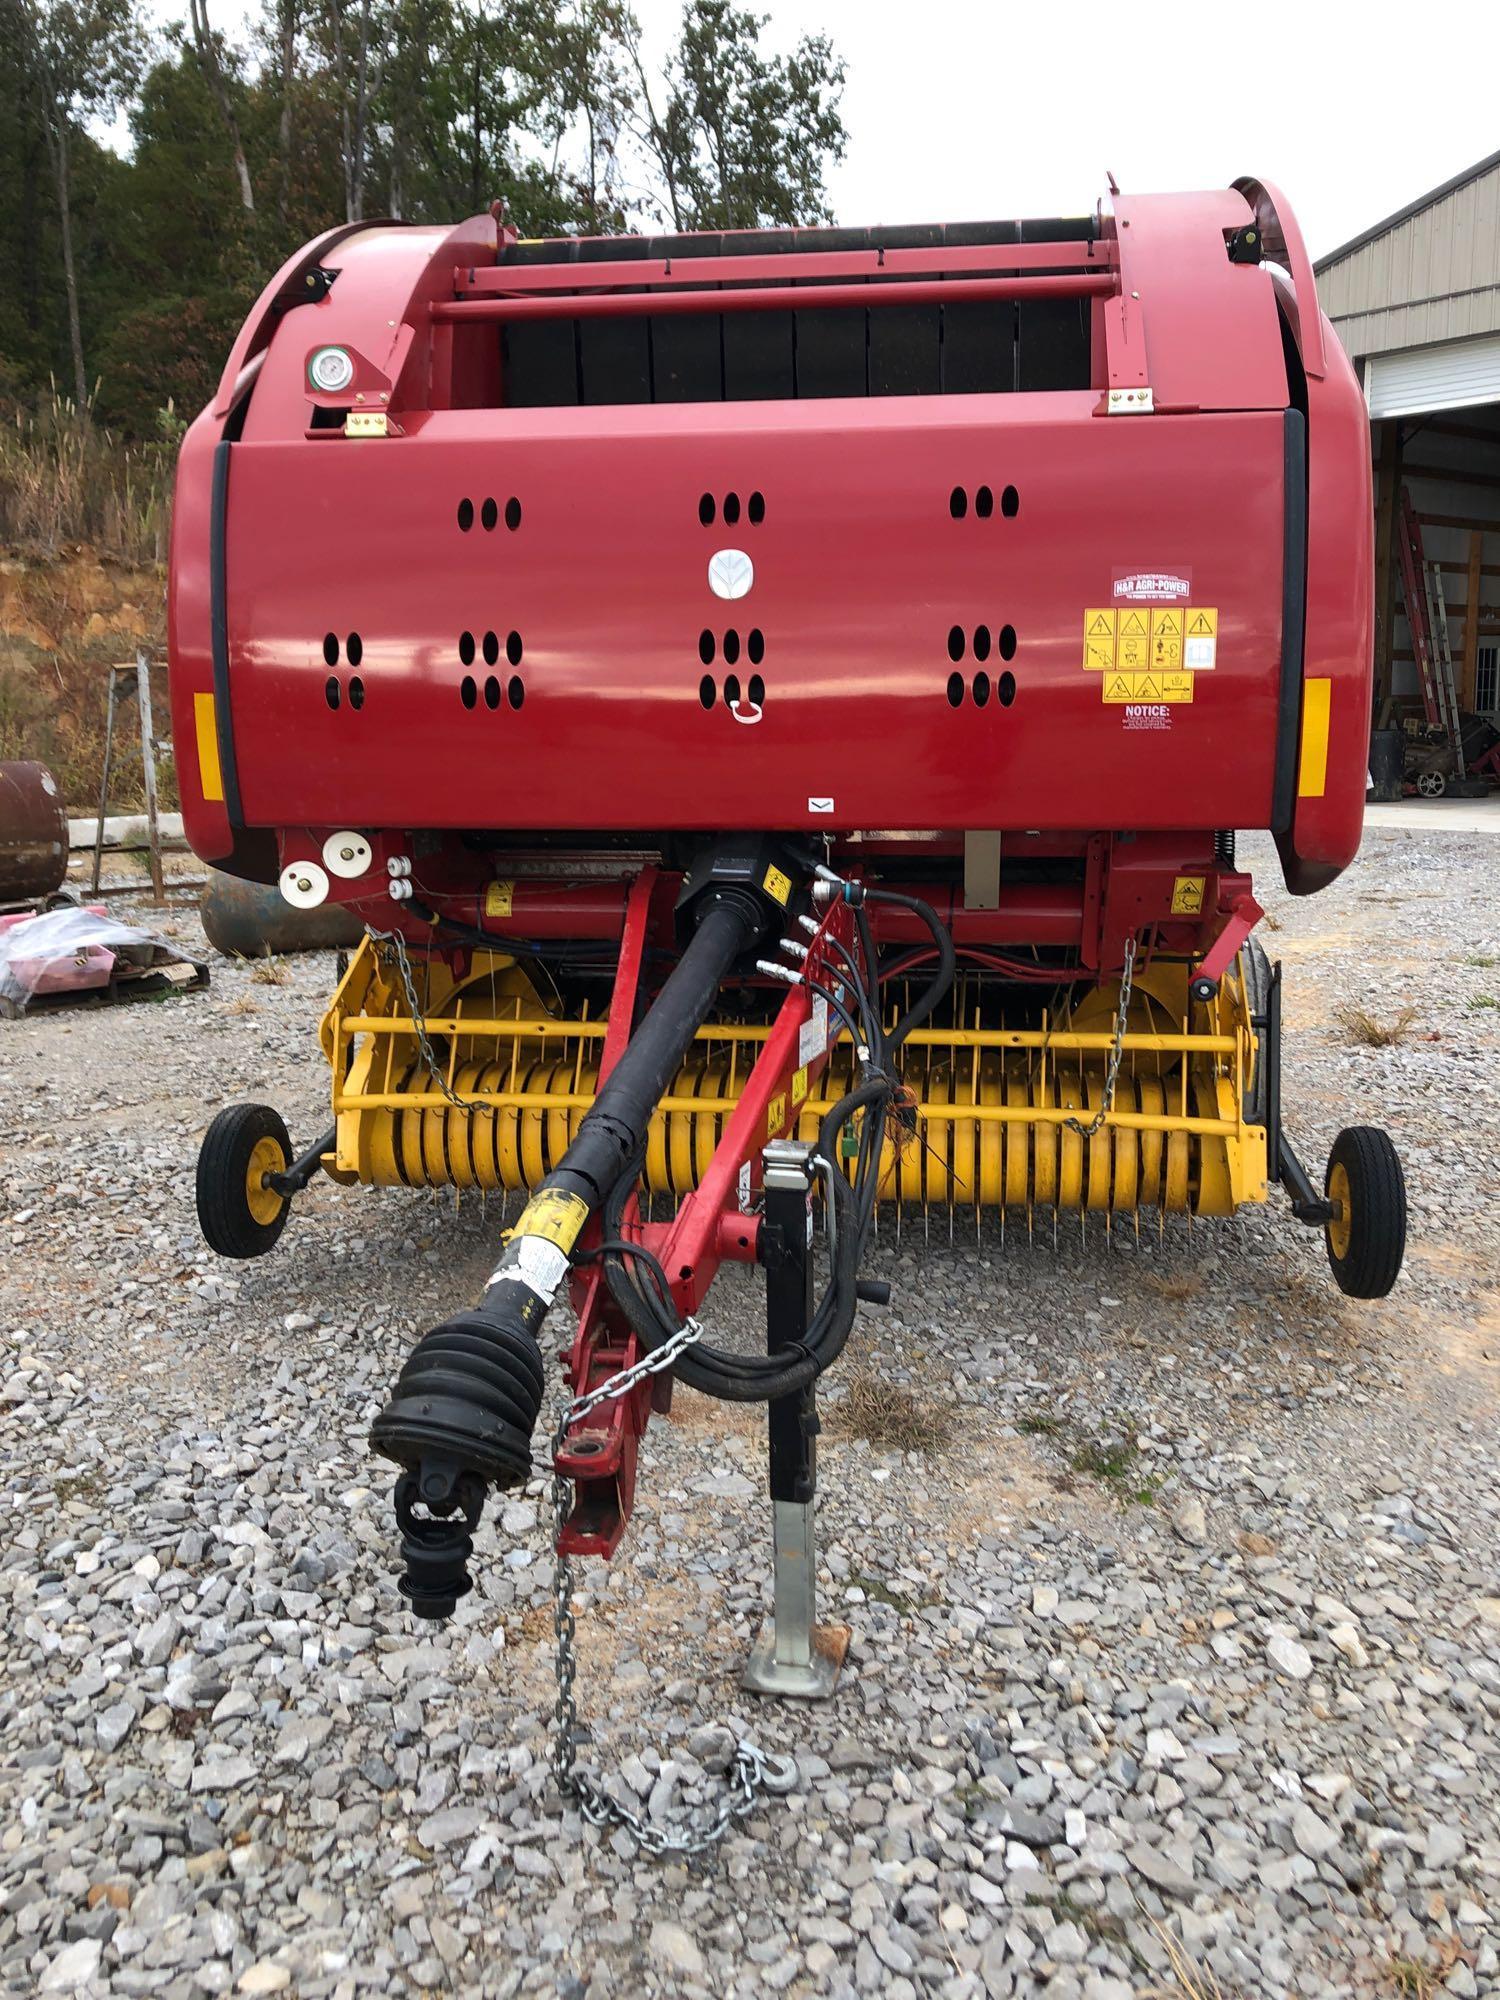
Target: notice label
812, 1036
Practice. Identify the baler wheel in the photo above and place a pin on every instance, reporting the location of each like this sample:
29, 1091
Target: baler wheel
240, 1215
1366, 1235
1431, 785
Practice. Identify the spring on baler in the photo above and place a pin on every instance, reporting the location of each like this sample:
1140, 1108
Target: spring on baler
956, 1156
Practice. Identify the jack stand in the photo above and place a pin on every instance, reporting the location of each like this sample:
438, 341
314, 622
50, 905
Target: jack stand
793, 1655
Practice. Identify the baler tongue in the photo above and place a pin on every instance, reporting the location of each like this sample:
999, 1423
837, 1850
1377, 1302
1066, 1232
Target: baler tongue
467, 1401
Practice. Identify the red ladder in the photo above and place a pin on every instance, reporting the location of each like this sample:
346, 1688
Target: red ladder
1438, 697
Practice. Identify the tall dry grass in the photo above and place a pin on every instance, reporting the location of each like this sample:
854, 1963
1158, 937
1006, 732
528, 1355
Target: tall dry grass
66, 479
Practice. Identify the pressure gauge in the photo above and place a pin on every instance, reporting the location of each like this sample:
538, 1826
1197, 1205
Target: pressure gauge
331, 370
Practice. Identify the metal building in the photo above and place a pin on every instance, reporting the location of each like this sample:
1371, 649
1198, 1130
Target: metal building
1416, 300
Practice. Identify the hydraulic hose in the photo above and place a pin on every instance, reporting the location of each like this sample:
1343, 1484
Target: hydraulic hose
736, 1377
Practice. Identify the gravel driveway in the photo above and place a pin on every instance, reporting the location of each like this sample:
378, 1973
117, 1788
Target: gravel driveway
1175, 1663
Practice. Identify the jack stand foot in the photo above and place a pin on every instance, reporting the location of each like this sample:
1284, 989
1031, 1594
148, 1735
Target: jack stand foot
793, 1655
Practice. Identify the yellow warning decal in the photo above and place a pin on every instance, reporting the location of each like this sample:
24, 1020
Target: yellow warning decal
1147, 687
1312, 771
1187, 895
777, 885
206, 728
776, 1115
554, 1215
799, 1087
1164, 643
1166, 639
498, 898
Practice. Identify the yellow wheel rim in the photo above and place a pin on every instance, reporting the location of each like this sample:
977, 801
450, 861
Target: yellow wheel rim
263, 1202
1339, 1224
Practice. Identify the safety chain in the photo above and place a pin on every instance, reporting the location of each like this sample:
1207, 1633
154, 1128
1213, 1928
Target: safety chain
413, 1005
750, 1773
1117, 1049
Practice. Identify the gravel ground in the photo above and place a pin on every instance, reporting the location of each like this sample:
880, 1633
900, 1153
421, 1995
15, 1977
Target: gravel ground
1175, 1660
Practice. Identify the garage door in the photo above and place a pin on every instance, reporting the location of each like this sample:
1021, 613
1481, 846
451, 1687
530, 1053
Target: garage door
1445, 377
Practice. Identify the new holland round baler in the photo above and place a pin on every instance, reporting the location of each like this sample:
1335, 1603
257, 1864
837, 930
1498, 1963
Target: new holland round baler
782, 703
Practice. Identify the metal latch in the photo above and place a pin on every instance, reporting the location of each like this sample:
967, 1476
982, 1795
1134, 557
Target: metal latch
366, 424
1129, 403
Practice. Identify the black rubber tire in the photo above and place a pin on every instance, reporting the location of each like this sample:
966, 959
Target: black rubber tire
224, 1213
1258, 992
1371, 1261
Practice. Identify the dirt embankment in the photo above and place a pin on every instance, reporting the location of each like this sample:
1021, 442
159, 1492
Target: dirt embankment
62, 624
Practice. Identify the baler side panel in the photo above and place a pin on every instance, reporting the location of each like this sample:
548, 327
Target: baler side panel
861, 573
197, 726
1213, 341
388, 276
1338, 650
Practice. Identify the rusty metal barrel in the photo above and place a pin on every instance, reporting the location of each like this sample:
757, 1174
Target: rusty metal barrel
33, 833
248, 919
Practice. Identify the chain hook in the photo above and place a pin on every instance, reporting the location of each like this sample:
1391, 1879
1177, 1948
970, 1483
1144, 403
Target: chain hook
1117, 1049
750, 1772
418, 1020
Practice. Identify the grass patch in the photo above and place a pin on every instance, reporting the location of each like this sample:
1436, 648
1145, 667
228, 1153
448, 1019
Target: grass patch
888, 1416
1411, 1979
1189, 1981
1110, 1458
1369, 1031
1484, 1000
270, 970
84, 1485
878, 1591
1179, 1286
64, 478
1482, 961
1104, 1461
1116, 1463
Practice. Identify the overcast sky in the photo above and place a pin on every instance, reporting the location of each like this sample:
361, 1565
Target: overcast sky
980, 108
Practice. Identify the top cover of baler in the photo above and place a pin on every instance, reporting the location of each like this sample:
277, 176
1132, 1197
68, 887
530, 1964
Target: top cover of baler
1057, 525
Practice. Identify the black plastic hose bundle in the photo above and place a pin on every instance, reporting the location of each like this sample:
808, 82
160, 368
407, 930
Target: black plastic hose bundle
758, 1378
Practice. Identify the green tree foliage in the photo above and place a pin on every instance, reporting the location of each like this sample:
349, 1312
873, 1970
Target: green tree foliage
341, 109
739, 138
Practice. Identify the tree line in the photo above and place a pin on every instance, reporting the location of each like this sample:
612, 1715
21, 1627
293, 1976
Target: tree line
129, 265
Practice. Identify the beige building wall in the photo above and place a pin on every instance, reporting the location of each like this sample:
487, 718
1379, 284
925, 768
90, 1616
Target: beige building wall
1428, 276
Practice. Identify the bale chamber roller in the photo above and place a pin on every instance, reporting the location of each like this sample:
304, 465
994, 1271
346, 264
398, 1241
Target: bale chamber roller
781, 703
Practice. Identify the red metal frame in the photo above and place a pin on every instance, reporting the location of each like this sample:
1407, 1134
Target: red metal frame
599, 1454
794, 266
